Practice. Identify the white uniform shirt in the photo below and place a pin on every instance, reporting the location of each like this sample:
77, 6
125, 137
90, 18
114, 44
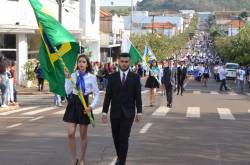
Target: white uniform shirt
222, 73
90, 85
241, 75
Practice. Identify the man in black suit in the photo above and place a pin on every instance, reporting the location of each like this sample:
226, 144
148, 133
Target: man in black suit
181, 76
168, 80
124, 93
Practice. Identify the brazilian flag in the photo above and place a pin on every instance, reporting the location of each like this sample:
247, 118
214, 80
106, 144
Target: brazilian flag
56, 42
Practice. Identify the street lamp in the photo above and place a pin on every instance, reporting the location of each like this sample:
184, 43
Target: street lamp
60, 2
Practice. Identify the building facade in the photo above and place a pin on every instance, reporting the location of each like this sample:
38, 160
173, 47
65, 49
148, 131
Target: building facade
19, 37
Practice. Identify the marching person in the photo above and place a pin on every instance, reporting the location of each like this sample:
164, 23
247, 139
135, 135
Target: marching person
205, 76
152, 82
181, 76
222, 76
75, 113
39, 76
168, 82
124, 93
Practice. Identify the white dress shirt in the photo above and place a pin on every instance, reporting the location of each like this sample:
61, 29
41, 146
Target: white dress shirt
90, 85
121, 74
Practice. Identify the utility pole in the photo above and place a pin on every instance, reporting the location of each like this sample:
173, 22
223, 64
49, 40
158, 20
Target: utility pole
60, 2
153, 20
131, 16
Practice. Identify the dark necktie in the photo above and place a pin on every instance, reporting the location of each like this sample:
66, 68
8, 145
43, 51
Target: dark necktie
123, 78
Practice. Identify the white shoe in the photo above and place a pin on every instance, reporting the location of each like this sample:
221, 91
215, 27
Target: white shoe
60, 105
4, 106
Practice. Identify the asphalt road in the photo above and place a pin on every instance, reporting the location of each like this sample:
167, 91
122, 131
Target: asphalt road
204, 127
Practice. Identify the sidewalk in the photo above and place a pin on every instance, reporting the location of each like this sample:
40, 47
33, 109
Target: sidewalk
33, 90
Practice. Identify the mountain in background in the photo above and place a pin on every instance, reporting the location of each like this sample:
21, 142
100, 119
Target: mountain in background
198, 5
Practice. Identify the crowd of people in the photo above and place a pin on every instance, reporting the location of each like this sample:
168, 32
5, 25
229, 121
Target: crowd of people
7, 82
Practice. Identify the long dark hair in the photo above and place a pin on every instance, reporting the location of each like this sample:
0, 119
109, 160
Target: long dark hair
151, 65
89, 67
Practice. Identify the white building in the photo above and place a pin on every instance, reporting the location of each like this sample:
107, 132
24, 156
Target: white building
112, 28
19, 38
190, 13
234, 27
141, 18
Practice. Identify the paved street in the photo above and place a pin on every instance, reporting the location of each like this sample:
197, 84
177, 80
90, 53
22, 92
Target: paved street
203, 127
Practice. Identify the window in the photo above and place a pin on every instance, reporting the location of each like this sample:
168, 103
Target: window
8, 45
7, 41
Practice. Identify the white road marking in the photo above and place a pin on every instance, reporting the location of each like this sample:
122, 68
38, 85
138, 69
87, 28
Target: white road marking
161, 111
97, 111
193, 112
15, 117
225, 113
113, 161
197, 92
37, 118
145, 128
214, 93
59, 112
16, 111
40, 110
145, 91
14, 125
232, 94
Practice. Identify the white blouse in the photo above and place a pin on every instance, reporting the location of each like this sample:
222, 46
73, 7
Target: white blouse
90, 85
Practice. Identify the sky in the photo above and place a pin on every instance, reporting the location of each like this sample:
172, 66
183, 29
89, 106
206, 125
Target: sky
117, 2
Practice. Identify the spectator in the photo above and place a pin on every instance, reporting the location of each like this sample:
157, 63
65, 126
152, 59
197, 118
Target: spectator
240, 79
3, 82
39, 77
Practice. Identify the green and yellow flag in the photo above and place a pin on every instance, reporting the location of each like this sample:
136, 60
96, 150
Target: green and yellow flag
56, 41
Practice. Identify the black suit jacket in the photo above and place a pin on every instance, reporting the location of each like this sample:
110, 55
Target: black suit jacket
181, 74
167, 77
123, 98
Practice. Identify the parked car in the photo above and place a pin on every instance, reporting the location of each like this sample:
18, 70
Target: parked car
231, 69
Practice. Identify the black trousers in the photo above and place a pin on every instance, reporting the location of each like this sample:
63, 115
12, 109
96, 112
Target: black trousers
121, 128
180, 86
223, 84
169, 94
40, 84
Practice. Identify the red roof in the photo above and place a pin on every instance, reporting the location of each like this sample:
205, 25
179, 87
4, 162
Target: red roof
236, 24
158, 25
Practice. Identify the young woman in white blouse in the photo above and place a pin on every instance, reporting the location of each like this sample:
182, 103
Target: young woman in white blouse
74, 114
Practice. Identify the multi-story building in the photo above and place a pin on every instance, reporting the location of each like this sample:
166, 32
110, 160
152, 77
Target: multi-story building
142, 18
111, 28
19, 38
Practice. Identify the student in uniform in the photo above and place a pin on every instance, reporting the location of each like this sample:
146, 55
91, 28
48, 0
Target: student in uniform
124, 94
75, 113
152, 82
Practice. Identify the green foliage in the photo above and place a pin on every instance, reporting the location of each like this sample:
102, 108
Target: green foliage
198, 5
243, 14
162, 46
235, 49
29, 69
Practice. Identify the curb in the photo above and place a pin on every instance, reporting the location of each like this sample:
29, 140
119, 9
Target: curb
9, 108
34, 93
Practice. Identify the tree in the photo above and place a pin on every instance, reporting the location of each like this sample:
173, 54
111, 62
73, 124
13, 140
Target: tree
162, 46
244, 14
